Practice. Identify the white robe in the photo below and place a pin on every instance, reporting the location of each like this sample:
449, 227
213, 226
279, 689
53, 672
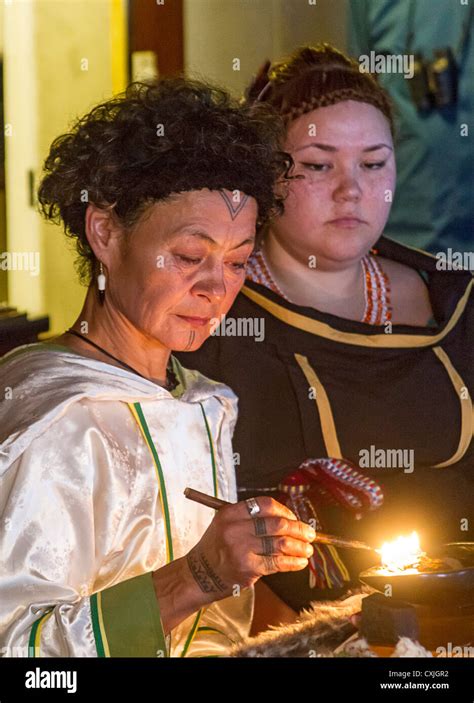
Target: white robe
80, 507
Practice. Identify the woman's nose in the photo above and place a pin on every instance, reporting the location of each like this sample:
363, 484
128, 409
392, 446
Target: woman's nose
211, 284
348, 189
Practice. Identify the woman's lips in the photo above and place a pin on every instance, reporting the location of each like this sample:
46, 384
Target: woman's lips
347, 222
198, 321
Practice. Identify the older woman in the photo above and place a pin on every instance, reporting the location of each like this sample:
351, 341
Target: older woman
103, 429
366, 355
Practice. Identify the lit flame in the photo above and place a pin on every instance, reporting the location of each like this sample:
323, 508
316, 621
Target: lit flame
402, 552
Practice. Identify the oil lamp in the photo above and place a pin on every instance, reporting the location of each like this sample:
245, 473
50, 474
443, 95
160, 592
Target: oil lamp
402, 553
427, 597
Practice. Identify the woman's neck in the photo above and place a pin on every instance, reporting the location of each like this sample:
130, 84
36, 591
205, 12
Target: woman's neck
300, 281
109, 329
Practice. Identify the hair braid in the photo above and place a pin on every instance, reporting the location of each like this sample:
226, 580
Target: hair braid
314, 77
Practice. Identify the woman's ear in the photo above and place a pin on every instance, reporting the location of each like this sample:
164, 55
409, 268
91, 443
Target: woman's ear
103, 233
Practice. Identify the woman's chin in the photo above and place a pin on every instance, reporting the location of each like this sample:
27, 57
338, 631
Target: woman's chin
191, 343
346, 251
337, 259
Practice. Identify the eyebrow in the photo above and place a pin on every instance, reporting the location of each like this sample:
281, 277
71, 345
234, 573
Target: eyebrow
328, 147
206, 237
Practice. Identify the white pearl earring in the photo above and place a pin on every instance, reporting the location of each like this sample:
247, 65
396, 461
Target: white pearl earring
101, 282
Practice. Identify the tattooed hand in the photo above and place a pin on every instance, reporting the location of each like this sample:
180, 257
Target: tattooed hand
237, 549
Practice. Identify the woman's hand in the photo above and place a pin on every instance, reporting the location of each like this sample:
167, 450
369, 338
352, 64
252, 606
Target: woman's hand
237, 549
234, 552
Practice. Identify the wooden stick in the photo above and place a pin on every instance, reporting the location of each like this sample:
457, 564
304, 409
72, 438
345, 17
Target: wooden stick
321, 537
204, 499
324, 538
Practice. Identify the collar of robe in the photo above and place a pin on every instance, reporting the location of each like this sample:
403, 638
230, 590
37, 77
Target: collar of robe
449, 294
40, 381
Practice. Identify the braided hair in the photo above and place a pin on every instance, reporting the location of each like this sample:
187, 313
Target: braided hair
313, 77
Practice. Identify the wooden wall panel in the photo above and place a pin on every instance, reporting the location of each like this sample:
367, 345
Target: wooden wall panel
159, 28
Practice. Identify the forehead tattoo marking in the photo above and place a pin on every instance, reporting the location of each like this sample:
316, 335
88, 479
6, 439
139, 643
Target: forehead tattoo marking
234, 207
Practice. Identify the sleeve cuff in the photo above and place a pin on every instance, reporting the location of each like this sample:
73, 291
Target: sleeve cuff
126, 620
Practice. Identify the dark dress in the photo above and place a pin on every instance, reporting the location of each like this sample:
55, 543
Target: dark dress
410, 389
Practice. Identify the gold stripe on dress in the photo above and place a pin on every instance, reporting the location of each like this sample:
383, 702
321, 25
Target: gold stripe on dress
322, 329
328, 426
466, 409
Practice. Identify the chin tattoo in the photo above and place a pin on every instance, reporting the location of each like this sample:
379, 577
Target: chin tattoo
192, 336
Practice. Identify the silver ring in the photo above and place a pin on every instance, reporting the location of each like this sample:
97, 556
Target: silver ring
253, 507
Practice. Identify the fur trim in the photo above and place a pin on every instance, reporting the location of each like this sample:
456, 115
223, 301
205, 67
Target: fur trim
323, 630
320, 629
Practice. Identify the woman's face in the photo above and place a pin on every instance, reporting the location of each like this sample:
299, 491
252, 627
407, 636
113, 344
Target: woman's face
184, 259
339, 208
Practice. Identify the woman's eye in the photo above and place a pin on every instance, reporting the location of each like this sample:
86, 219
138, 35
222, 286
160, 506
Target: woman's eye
317, 167
374, 165
188, 259
191, 261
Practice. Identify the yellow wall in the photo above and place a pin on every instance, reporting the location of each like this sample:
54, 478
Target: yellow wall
61, 57
3, 241
217, 31
45, 42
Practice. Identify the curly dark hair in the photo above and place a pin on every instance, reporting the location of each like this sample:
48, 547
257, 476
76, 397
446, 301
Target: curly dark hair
154, 140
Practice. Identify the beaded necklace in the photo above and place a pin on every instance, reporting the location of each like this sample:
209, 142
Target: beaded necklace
376, 285
171, 379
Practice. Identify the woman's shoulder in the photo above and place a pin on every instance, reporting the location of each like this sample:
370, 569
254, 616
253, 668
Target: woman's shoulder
409, 293
409, 279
